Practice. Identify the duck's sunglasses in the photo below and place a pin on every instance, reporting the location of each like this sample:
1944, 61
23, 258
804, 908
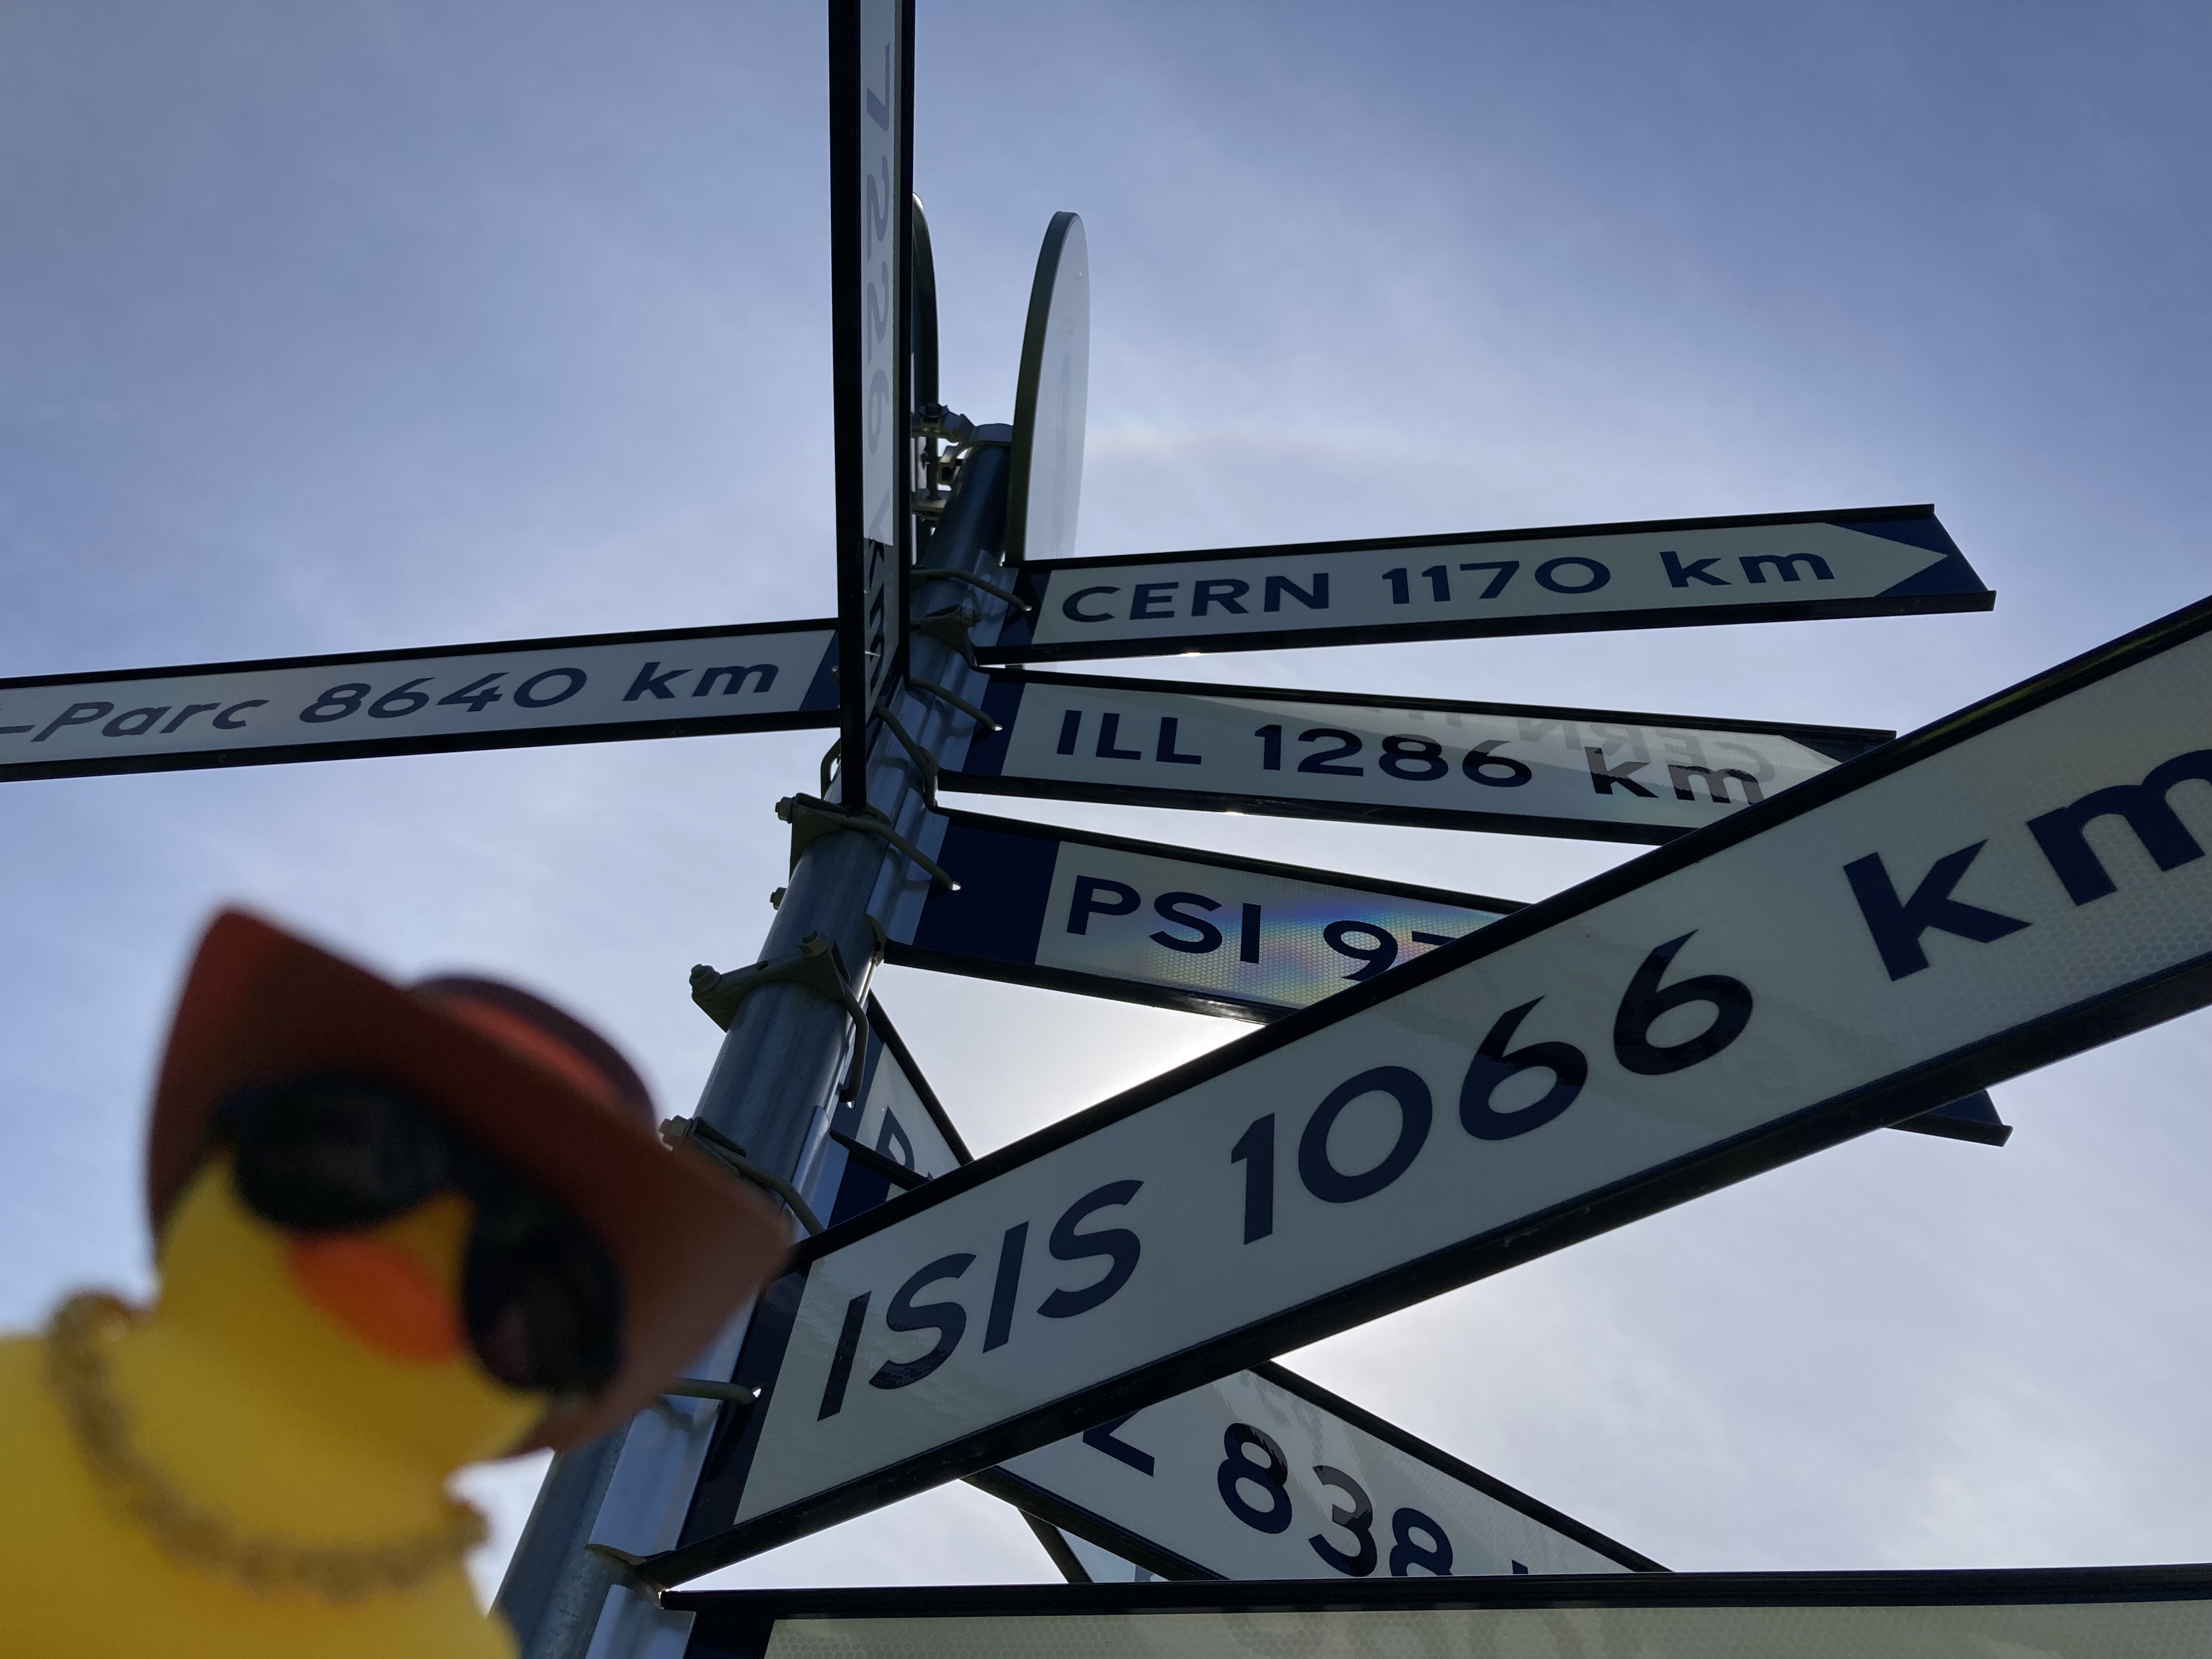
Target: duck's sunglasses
540, 1297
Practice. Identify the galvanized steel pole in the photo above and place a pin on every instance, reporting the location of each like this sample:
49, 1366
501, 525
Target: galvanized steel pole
773, 1088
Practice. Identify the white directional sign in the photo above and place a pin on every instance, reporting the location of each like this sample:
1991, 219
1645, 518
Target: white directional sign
1266, 1475
1168, 926
1582, 771
1044, 475
2023, 880
1871, 562
593, 688
870, 206
2049, 1613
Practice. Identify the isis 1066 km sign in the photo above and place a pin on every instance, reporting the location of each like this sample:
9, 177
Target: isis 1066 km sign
2019, 882
1294, 1493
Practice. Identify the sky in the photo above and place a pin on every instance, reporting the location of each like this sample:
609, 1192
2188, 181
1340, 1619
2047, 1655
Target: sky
359, 325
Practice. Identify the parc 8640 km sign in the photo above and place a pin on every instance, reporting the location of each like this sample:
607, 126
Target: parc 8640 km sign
2023, 880
585, 688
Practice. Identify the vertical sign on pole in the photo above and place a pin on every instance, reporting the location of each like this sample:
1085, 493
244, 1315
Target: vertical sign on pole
870, 209
1044, 483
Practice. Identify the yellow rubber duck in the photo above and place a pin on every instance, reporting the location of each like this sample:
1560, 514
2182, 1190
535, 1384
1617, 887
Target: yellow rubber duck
398, 1230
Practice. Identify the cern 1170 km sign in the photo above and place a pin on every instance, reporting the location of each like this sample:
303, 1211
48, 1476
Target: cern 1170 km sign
1869, 562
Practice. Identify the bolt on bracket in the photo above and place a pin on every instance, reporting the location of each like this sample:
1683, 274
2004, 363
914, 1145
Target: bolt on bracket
957, 701
948, 627
810, 818
677, 1132
921, 576
813, 964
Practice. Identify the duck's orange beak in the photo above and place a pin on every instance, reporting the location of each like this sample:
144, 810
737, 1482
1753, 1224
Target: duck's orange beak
378, 1290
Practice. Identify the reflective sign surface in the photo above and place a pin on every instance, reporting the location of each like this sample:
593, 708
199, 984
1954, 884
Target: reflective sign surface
1873, 562
1581, 772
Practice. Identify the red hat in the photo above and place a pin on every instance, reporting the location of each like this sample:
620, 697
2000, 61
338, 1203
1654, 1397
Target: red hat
552, 1099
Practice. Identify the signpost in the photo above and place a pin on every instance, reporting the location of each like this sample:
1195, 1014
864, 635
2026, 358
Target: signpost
870, 253
1519, 770
2006, 887
2054, 1613
1845, 933
1168, 926
1667, 573
590, 688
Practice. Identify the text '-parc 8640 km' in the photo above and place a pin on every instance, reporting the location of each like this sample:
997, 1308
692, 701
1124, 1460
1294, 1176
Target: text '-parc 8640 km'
477, 697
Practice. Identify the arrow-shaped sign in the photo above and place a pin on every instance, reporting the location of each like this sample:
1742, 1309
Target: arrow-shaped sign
1263, 1475
1266, 1475
590, 688
1168, 926
1596, 774
1669, 573
2019, 882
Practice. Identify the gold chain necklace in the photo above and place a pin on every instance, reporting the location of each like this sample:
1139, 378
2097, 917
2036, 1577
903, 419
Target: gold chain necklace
77, 1369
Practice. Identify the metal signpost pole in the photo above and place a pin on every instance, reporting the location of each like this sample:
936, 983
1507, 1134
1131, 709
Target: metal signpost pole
772, 1088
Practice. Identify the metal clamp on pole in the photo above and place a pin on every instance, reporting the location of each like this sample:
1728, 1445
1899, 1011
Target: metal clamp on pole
813, 964
924, 761
920, 577
810, 818
948, 627
935, 469
676, 1132
957, 701
704, 1388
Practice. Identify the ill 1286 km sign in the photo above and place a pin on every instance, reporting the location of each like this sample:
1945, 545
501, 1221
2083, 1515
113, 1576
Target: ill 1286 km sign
1511, 767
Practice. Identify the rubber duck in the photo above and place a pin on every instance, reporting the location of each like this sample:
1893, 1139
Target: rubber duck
398, 1230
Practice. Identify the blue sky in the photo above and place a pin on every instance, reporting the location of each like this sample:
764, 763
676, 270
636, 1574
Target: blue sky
359, 325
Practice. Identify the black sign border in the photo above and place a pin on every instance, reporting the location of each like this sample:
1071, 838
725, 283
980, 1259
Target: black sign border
1031, 585
740, 1624
2115, 1014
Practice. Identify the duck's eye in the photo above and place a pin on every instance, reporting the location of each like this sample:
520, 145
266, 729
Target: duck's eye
542, 1298
332, 1153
